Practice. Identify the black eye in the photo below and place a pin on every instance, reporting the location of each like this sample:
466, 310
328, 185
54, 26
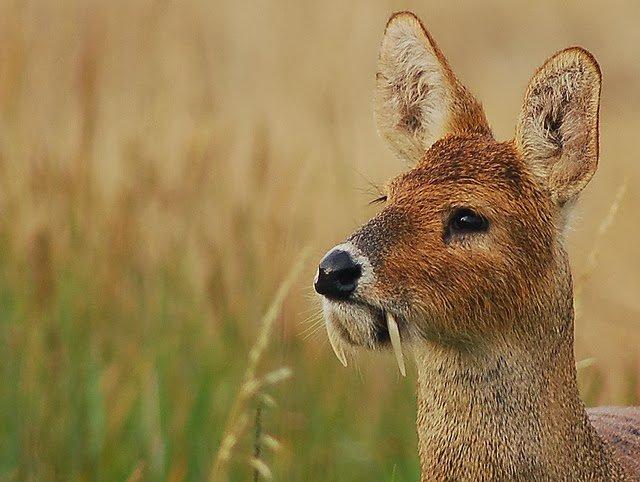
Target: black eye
464, 220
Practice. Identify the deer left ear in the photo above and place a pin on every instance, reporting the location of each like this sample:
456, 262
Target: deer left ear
557, 132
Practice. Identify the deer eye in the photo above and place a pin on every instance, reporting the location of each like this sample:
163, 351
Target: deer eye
465, 220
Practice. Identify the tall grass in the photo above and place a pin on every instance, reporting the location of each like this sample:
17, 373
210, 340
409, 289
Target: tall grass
253, 387
163, 164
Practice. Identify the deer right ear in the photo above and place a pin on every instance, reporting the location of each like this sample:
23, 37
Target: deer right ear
557, 132
418, 97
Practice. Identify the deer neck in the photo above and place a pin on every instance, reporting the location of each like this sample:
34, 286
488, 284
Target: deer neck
509, 410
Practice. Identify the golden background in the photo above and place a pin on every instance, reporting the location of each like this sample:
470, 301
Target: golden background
163, 164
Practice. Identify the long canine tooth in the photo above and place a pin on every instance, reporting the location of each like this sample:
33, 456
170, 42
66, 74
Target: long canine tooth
337, 347
394, 335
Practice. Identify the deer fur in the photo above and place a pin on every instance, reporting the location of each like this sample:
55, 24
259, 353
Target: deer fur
489, 316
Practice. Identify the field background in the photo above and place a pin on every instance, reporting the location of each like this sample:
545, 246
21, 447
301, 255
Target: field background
163, 164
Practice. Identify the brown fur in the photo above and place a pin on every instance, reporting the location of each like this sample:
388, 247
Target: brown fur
489, 315
620, 427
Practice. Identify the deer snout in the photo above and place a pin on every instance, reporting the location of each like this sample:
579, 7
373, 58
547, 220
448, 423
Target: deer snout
338, 275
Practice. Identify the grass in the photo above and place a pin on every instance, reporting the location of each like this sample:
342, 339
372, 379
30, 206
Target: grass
253, 387
162, 167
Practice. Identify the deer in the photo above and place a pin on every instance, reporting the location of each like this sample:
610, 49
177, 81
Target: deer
464, 265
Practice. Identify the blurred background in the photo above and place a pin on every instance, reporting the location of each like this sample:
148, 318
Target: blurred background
162, 166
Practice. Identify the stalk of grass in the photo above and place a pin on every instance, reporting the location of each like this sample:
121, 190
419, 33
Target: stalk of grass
257, 443
251, 384
594, 388
603, 228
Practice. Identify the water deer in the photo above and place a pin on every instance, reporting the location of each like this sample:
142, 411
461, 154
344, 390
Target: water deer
464, 265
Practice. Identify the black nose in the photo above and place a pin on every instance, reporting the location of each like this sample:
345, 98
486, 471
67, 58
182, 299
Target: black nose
338, 275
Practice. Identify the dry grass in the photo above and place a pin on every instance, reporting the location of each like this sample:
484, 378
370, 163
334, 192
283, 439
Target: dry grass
162, 164
254, 386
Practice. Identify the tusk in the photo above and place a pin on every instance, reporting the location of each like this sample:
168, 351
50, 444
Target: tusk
337, 347
394, 335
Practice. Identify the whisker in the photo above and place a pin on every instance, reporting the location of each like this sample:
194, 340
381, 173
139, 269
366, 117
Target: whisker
312, 329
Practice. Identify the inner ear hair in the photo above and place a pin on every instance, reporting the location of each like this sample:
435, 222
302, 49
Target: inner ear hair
418, 97
557, 131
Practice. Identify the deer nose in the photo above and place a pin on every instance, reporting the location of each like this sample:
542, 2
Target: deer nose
338, 275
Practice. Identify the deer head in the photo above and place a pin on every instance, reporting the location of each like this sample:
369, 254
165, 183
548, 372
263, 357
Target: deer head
467, 245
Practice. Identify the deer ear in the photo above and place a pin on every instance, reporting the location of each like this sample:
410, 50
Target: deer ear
557, 132
418, 97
